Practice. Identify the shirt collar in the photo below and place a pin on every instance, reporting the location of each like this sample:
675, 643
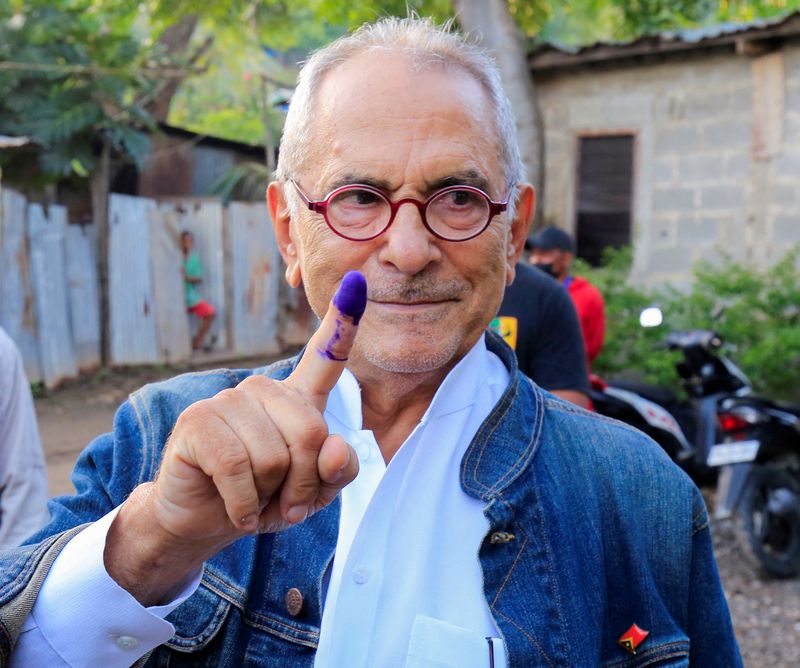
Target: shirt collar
457, 391
460, 386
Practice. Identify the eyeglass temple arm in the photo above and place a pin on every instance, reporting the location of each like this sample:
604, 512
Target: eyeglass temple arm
316, 207
496, 208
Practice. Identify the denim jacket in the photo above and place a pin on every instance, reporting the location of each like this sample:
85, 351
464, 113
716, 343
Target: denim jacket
592, 529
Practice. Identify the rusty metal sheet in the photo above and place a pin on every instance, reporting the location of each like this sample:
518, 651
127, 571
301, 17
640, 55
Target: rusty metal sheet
49, 277
17, 312
203, 217
80, 250
209, 165
172, 320
167, 170
255, 275
131, 308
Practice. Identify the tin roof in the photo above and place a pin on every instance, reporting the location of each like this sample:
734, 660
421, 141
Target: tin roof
732, 35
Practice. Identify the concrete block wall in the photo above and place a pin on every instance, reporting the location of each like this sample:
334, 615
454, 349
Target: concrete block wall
697, 186
784, 207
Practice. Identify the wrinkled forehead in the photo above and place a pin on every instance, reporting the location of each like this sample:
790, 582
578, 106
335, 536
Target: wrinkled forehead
390, 109
379, 83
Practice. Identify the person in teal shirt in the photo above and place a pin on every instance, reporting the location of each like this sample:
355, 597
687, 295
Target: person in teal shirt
192, 270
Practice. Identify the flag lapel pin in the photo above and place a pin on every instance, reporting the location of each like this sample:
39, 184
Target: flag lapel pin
632, 638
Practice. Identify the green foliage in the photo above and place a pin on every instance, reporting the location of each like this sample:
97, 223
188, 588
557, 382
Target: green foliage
231, 98
757, 313
73, 80
629, 349
246, 181
38, 390
70, 112
642, 17
240, 123
349, 15
234, 98
588, 21
749, 10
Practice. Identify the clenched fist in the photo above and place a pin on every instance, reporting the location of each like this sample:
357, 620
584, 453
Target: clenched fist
254, 458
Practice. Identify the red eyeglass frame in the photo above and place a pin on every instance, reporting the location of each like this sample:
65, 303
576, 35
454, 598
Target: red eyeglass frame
321, 206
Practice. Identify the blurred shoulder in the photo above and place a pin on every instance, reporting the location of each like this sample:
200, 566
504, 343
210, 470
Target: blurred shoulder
187, 388
605, 451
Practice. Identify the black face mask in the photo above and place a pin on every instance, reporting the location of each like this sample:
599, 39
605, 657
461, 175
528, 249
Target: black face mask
546, 267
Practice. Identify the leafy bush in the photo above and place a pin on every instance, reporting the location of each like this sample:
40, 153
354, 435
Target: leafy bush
757, 313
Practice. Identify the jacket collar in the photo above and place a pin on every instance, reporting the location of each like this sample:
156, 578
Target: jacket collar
496, 457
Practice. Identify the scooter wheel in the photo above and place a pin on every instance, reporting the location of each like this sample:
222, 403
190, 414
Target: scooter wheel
768, 521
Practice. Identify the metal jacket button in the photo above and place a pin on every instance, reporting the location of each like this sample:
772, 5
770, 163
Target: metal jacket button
499, 537
294, 601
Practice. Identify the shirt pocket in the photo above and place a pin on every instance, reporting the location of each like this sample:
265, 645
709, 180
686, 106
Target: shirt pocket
437, 644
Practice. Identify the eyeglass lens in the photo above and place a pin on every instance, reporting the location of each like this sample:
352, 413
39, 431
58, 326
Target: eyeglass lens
454, 214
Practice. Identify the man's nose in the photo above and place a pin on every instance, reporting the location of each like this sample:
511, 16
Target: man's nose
409, 245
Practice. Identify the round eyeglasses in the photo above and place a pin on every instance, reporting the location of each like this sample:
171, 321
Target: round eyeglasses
359, 212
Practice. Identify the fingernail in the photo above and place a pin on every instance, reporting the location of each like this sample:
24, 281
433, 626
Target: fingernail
343, 468
296, 514
250, 522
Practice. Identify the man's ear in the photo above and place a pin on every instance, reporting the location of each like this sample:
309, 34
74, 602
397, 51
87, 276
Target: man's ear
281, 223
523, 217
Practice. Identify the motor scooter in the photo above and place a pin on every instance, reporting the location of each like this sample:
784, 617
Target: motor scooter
752, 442
707, 376
759, 482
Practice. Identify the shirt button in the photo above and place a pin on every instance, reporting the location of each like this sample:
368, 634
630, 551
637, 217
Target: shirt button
362, 450
360, 575
127, 642
294, 601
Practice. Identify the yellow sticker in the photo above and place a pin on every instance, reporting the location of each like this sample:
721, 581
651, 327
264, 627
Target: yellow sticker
506, 326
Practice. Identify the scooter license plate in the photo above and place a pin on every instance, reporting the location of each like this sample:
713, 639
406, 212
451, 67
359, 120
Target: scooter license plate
722, 454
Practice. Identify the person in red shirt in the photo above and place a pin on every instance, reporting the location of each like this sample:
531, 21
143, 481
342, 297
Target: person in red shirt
552, 250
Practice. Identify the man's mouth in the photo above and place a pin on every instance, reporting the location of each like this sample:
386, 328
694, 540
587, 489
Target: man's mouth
413, 294
411, 305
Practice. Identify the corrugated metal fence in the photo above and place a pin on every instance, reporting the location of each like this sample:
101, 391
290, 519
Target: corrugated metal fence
49, 289
84, 294
17, 301
48, 273
255, 278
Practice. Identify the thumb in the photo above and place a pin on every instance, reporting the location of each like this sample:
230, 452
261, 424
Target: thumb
337, 465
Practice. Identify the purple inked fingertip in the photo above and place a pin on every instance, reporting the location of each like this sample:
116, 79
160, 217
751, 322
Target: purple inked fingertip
351, 297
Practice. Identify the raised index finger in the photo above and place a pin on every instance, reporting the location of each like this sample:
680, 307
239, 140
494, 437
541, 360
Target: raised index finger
328, 349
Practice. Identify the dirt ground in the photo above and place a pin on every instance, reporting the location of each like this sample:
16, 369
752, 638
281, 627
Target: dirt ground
766, 613
72, 415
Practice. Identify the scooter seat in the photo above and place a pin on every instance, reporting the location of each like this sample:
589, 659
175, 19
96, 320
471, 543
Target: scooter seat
764, 404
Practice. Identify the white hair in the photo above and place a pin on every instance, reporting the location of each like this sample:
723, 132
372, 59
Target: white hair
425, 43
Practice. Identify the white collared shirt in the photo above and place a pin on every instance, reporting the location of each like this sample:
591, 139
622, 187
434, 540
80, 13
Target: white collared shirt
406, 587
411, 523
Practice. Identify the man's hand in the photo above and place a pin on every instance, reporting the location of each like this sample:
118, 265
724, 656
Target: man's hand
251, 459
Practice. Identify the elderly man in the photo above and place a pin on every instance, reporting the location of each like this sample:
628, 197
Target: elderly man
399, 495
